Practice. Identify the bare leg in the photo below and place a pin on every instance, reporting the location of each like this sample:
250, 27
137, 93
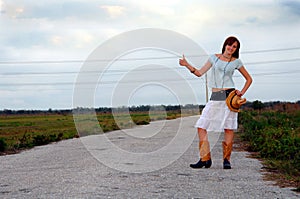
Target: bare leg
228, 137
202, 134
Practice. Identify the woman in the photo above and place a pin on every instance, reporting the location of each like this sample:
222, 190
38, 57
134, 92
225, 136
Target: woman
216, 115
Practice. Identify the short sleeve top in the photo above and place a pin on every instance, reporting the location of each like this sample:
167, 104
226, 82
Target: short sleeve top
222, 71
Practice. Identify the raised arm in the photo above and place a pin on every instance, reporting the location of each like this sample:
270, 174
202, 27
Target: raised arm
192, 69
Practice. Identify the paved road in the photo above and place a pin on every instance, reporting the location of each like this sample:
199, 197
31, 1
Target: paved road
68, 170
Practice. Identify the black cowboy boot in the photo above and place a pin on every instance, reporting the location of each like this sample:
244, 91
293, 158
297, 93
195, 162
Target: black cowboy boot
227, 148
200, 164
226, 164
205, 159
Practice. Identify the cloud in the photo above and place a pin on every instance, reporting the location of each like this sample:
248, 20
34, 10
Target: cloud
72, 23
292, 6
113, 11
56, 10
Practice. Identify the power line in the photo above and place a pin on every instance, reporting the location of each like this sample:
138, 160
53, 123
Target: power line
130, 59
93, 83
118, 71
85, 88
131, 81
274, 61
135, 70
271, 50
83, 61
276, 73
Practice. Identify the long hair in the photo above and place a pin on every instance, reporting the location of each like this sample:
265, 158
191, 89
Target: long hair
229, 41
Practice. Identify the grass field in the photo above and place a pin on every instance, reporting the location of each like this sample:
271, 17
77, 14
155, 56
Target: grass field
23, 131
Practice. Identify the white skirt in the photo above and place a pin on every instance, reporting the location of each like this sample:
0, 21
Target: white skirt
216, 116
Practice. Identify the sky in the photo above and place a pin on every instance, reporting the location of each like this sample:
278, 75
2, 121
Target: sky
45, 46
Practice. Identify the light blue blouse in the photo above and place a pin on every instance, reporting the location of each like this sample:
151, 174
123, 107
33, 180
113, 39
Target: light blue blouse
221, 72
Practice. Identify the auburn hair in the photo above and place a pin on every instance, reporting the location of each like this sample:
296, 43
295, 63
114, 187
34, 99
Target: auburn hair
229, 41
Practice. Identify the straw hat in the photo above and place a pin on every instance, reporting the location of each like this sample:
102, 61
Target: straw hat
234, 102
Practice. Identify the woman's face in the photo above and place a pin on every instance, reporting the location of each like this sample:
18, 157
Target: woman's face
230, 49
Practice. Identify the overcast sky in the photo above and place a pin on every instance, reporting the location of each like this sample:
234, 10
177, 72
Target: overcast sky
45, 43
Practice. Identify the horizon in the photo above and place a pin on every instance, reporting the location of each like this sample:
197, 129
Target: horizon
137, 106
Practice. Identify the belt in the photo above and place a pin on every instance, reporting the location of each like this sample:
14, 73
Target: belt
220, 95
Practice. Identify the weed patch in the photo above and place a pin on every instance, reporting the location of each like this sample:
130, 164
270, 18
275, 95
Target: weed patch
276, 138
25, 129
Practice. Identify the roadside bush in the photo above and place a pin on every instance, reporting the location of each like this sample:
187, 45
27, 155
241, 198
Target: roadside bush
3, 145
46, 139
24, 142
276, 136
41, 140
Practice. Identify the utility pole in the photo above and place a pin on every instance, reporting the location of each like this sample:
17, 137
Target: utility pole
206, 87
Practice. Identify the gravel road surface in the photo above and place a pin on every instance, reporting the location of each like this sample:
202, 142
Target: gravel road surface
68, 170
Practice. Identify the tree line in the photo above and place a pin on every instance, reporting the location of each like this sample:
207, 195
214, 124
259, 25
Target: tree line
255, 105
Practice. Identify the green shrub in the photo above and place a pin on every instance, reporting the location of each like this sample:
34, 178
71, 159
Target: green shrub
40, 140
3, 145
275, 135
24, 142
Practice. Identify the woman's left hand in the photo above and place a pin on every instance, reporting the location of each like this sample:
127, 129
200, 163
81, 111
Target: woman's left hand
239, 93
